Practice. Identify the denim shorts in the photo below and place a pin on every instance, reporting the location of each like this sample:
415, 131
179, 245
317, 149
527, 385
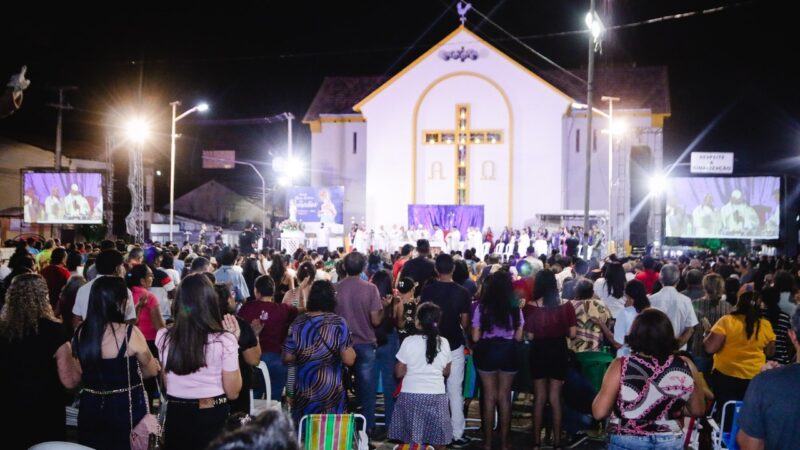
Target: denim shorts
496, 354
663, 441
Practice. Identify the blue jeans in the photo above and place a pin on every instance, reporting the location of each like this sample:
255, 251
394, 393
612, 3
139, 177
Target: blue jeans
365, 381
666, 441
277, 373
384, 365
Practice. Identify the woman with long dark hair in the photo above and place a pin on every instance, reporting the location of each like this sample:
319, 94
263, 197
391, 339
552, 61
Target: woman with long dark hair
284, 282
658, 386
199, 353
740, 342
781, 324
496, 324
319, 343
636, 301
36, 364
547, 324
110, 353
611, 287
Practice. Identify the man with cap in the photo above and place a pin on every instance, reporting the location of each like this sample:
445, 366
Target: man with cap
737, 216
75, 204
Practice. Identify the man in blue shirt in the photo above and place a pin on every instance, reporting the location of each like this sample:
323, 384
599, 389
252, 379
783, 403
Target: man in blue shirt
226, 274
770, 416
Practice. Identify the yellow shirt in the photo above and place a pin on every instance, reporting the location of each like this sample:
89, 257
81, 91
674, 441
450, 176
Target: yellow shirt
741, 357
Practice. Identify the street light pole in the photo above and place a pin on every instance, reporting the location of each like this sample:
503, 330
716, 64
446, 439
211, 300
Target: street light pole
263, 188
173, 135
590, 112
610, 101
289, 118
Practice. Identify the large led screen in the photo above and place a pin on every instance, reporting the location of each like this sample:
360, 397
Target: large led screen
62, 197
723, 208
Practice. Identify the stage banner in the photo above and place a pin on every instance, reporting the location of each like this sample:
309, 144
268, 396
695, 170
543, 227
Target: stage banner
446, 216
316, 205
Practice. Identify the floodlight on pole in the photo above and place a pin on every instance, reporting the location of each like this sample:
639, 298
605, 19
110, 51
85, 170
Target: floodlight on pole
175, 118
137, 130
658, 184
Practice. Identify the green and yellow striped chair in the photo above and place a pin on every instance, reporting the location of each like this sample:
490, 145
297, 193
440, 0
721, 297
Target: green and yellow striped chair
330, 431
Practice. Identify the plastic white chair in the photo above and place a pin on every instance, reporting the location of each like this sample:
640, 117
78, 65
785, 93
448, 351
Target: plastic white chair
258, 405
484, 249
499, 248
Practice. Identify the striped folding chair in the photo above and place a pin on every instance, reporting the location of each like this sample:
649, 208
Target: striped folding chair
330, 431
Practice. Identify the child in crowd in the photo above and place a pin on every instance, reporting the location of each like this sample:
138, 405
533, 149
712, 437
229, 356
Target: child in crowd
421, 413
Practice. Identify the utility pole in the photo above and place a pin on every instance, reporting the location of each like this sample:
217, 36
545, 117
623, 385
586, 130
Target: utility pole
610, 100
61, 106
589, 137
289, 118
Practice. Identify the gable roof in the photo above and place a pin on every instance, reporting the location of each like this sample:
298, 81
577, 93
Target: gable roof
636, 87
337, 95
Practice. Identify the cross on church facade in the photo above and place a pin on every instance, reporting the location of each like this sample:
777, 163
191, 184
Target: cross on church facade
462, 137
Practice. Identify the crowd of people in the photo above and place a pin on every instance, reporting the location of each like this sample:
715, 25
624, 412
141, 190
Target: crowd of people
117, 326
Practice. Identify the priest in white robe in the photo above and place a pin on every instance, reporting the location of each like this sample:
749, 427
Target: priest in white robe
453, 239
437, 240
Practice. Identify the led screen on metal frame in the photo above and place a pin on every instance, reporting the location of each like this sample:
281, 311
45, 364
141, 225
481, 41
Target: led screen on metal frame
62, 197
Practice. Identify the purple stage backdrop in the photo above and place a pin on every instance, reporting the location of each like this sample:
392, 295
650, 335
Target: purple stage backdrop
446, 216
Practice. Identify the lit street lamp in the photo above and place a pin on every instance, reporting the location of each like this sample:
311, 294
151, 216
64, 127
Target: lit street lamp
596, 29
201, 107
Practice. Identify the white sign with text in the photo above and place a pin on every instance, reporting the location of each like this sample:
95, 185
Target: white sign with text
712, 162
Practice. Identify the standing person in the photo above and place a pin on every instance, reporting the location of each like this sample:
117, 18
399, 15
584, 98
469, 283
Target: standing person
323, 237
636, 301
36, 364
770, 417
496, 324
284, 282
247, 239
148, 314
548, 323
423, 362
406, 308
675, 305
589, 313
709, 309
199, 356
388, 341
781, 324
420, 269
397, 267
645, 391
66, 301
648, 275
56, 275
359, 303
108, 263
233, 278
319, 344
611, 287
249, 348
454, 301
109, 352
271, 322
740, 342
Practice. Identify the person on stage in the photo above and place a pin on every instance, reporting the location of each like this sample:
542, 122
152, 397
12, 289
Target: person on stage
53, 206
246, 240
75, 204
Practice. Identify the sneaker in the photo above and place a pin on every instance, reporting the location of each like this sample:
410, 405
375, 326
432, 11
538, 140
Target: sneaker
460, 443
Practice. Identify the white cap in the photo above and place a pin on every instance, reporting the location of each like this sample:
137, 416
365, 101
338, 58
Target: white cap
74, 187
737, 194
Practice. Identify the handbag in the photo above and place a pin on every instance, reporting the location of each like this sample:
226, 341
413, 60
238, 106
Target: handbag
146, 435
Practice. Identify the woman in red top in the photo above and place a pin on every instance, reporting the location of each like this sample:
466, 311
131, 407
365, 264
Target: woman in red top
148, 313
548, 324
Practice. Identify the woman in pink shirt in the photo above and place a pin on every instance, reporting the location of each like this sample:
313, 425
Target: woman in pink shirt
148, 314
199, 354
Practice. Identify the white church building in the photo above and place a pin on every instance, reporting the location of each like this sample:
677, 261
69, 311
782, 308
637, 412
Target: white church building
465, 124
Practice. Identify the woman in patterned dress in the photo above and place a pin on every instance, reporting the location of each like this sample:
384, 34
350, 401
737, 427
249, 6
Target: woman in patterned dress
318, 344
647, 391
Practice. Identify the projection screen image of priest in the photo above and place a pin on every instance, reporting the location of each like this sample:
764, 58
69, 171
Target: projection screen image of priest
723, 208
62, 197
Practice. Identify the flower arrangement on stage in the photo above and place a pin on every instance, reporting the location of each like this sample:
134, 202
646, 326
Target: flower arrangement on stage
291, 225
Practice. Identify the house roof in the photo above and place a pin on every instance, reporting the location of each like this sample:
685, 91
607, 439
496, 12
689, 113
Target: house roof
337, 95
637, 87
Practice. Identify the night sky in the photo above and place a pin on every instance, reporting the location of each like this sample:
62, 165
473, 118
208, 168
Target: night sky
257, 59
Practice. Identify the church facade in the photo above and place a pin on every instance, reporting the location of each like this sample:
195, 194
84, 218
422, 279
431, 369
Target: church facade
465, 124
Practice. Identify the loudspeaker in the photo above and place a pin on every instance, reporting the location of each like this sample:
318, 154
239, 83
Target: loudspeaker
641, 170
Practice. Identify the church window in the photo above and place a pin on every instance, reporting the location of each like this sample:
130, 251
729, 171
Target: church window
432, 138
355, 142
487, 170
436, 171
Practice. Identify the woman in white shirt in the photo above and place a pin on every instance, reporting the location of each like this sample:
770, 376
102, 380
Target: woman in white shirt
636, 301
422, 411
611, 288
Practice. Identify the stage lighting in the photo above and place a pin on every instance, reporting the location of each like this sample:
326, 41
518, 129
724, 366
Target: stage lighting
658, 184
